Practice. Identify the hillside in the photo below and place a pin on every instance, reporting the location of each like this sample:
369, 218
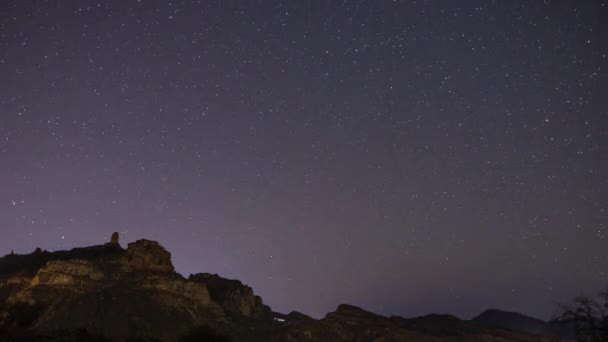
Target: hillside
108, 293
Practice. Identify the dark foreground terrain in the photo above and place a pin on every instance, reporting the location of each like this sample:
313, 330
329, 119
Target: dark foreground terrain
107, 293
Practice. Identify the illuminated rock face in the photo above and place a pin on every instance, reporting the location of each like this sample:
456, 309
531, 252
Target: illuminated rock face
135, 294
146, 255
232, 295
136, 291
73, 273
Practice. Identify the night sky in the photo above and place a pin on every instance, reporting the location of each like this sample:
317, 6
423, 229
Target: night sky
403, 156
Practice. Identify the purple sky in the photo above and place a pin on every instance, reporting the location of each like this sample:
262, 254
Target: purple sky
403, 156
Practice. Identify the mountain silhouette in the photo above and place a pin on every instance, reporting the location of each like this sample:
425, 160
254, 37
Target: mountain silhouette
109, 293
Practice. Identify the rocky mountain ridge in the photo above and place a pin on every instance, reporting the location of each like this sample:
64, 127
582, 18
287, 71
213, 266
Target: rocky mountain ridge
109, 293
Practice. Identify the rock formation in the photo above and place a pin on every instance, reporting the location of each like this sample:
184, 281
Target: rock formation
515, 321
106, 292
114, 239
148, 255
234, 297
74, 289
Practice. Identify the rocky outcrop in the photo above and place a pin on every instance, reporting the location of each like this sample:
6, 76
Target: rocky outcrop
146, 255
105, 290
121, 294
355, 324
198, 293
114, 239
74, 273
234, 297
17, 280
352, 315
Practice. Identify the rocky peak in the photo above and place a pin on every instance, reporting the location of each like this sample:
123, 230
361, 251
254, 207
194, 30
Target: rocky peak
148, 255
515, 321
114, 239
351, 309
352, 314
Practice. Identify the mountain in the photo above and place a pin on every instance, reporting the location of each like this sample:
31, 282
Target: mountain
515, 321
108, 293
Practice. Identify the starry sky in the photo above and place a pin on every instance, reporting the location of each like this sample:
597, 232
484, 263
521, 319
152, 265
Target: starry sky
404, 156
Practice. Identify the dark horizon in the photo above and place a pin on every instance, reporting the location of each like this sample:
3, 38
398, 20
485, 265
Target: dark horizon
407, 157
124, 245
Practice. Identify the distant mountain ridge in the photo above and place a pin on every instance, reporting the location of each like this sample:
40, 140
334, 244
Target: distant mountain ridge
515, 321
108, 293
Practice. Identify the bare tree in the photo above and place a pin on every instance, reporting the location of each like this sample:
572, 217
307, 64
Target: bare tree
589, 315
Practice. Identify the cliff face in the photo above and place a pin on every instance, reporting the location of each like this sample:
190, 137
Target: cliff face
117, 294
145, 255
104, 289
234, 297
